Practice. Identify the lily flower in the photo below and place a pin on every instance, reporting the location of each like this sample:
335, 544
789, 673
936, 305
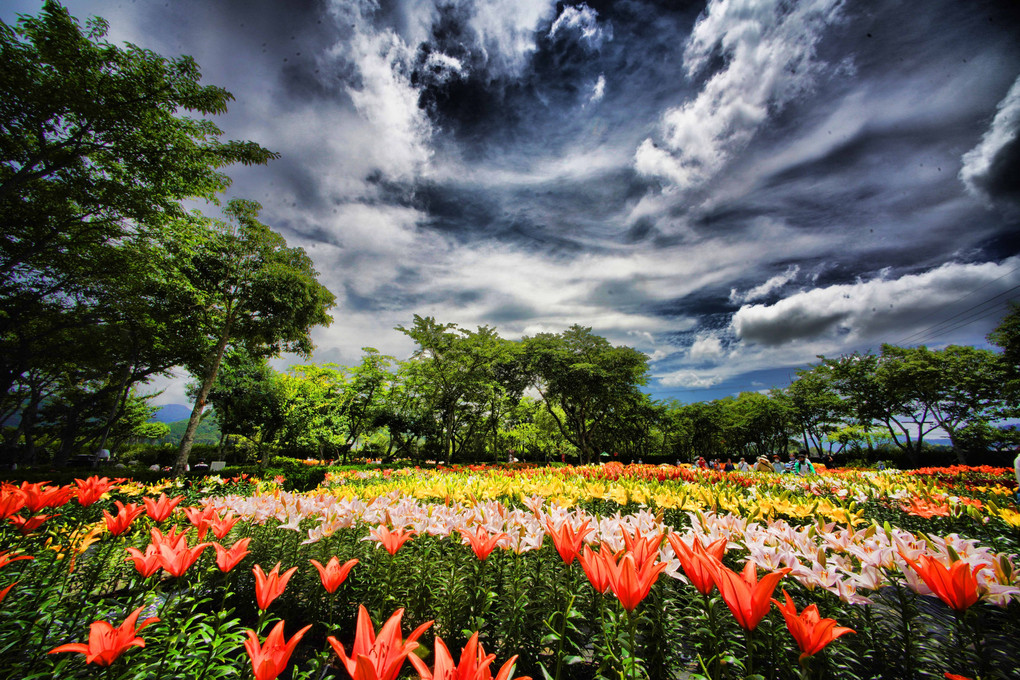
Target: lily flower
91, 489
268, 660
643, 549
748, 598
955, 585
270, 586
160, 508
700, 572
5, 560
146, 563
481, 541
390, 540
12, 500
121, 522
39, 496
201, 518
474, 664
29, 524
107, 643
594, 565
333, 574
3, 593
173, 538
227, 559
221, 526
178, 559
811, 632
567, 540
377, 657
630, 583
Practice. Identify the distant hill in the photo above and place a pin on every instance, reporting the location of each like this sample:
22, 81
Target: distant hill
208, 430
171, 413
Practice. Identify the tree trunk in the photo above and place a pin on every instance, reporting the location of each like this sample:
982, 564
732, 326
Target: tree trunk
188, 440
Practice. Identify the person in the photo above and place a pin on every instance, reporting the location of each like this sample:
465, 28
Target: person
791, 462
763, 465
201, 466
743, 466
804, 465
830, 462
777, 465
701, 462
729, 467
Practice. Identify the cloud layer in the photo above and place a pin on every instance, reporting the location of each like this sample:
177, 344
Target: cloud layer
730, 187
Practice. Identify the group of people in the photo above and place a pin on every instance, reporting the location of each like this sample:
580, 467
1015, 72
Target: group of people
798, 464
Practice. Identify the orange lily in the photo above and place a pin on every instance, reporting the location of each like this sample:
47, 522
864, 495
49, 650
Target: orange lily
107, 643
221, 526
178, 559
3, 593
700, 572
126, 514
631, 583
333, 574
39, 496
202, 518
474, 664
5, 560
146, 563
228, 559
172, 538
12, 500
270, 586
748, 598
160, 508
568, 541
594, 565
955, 585
811, 632
643, 549
482, 542
91, 489
390, 540
377, 657
270, 659
30, 524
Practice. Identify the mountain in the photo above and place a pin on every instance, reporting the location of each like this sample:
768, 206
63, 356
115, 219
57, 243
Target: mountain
171, 413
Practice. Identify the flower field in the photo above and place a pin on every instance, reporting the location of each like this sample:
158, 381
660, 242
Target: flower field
477, 573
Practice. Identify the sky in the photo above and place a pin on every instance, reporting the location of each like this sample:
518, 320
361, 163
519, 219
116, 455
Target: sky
732, 187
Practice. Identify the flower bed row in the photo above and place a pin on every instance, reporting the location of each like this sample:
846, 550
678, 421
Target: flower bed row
568, 573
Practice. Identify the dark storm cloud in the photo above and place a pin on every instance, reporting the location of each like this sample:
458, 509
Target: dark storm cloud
518, 164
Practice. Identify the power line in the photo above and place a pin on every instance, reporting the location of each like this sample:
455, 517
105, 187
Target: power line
923, 331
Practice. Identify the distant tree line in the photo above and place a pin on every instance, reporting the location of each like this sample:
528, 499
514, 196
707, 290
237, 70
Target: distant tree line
468, 396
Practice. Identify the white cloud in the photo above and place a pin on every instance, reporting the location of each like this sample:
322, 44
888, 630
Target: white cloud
883, 309
506, 30
758, 292
706, 348
978, 171
583, 21
687, 378
770, 52
598, 91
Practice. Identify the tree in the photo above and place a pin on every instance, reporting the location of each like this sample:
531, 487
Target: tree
248, 398
251, 290
587, 378
453, 371
814, 406
954, 387
99, 147
1007, 336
